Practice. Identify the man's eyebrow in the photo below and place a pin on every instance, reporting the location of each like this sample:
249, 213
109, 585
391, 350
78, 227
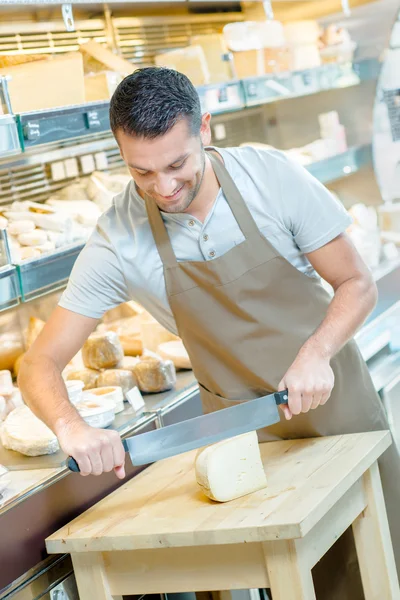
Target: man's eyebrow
177, 160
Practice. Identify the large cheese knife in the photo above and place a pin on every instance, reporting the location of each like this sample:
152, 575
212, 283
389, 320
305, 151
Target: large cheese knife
171, 440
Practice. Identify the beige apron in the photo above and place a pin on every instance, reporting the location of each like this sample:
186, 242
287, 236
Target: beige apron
243, 317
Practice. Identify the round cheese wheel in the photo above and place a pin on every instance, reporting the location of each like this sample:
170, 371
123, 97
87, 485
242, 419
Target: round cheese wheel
117, 378
29, 252
153, 333
102, 351
176, 352
88, 376
35, 238
18, 227
112, 393
23, 432
155, 375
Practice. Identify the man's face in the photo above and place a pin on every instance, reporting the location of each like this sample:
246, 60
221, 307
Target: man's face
169, 168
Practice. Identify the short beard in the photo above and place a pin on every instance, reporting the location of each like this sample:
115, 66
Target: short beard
192, 195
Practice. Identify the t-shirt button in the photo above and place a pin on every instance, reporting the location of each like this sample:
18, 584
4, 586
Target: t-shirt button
205, 237
191, 223
211, 253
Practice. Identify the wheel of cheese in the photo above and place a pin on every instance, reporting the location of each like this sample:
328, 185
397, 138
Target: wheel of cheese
23, 432
88, 376
35, 238
102, 351
128, 331
154, 375
176, 352
112, 393
231, 468
18, 227
46, 247
122, 378
29, 252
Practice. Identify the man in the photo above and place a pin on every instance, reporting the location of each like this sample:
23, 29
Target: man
225, 248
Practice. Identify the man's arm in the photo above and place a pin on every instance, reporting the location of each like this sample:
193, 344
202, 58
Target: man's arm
310, 379
44, 391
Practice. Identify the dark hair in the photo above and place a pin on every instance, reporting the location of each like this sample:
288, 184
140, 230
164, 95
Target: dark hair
150, 101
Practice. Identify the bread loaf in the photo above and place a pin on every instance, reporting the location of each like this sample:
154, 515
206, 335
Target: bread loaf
102, 351
117, 378
88, 376
154, 374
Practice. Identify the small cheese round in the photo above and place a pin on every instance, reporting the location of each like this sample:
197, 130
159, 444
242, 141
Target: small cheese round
46, 247
117, 378
23, 432
18, 227
102, 351
29, 252
88, 376
35, 238
3, 222
231, 469
176, 352
155, 375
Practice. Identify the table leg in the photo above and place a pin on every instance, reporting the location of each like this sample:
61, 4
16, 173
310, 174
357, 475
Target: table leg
373, 543
289, 574
90, 576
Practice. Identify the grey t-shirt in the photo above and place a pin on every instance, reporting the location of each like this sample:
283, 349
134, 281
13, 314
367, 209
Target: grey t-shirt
120, 261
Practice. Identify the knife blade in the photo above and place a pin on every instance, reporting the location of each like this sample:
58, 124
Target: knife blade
178, 438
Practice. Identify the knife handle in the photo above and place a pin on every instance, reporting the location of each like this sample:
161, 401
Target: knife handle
73, 465
282, 397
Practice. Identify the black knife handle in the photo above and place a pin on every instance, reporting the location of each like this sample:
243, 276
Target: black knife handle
73, 465
282, 397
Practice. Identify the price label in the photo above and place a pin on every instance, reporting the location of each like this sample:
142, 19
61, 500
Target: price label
135, 399
93, 119
32, 130
220, 98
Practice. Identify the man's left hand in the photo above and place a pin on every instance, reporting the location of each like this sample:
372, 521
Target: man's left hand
309, 381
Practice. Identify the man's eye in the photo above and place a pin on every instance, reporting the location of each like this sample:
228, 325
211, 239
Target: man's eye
142, 174
176, 167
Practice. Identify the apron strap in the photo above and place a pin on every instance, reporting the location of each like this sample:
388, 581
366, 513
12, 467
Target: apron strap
160, 234
234, 198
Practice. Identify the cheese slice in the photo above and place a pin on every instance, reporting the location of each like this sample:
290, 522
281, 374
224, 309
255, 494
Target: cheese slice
231, 468
23, 432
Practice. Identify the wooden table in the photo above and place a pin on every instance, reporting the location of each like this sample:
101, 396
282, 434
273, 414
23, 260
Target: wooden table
158, 533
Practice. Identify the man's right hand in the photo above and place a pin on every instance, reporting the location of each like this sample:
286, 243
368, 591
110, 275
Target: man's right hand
96, 451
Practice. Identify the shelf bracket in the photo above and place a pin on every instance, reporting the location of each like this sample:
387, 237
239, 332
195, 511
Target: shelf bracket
68, 17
